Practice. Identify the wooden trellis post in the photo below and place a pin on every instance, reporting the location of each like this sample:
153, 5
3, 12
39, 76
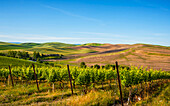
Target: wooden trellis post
119, 81
11, 76
70, 79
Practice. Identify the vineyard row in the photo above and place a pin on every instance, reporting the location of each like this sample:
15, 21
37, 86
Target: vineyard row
84, 76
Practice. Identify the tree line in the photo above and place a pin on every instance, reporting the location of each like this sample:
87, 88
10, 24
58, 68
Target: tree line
17, 54
36, 56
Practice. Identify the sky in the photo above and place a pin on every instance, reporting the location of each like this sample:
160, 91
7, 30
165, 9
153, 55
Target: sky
86, 21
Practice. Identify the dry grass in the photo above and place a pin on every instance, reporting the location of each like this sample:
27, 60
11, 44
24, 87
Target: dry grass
93, 98
153, 57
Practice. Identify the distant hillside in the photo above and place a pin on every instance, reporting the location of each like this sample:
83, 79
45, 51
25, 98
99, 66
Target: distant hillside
91, 44
55, 45
154, 56
29, 44
33, 46
46, 48
5, 43
10, 46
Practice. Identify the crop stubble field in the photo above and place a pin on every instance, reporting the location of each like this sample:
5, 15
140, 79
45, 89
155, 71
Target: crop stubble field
139, 55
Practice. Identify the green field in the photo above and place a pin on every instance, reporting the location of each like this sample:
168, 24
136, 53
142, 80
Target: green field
5, 45
64, 51
46, 48
6, 61
91, 44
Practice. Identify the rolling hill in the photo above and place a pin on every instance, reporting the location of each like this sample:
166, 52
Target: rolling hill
153, 56
46, 48
29, 45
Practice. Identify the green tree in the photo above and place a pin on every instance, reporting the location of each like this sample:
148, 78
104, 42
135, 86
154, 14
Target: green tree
35, 55
38, 55
19, 54
25, 55
12, 53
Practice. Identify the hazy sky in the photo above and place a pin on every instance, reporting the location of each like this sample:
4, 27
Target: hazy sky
84, 21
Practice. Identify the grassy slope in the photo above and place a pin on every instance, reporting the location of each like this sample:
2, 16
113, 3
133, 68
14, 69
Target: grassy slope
5, 46
132, 50
47, 48
5, 43
146, 55
6, 61
26, 94
160, 98
64, 51
125, 56
29, 44
60, 48
55, 45
11, 46
91, 44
